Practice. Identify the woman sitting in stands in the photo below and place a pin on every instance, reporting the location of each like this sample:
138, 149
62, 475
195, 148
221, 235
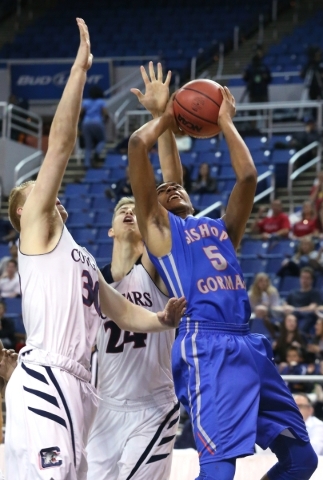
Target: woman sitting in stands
289, 336
316, 347
204, 183
263, 296
307, 225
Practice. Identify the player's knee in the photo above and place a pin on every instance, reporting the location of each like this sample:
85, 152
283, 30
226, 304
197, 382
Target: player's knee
296, 459
222, 470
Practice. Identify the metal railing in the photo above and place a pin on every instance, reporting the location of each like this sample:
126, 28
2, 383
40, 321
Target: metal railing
293, 175
303, 378
35, 160
24, 121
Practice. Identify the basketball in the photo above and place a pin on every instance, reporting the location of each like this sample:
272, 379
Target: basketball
196, 108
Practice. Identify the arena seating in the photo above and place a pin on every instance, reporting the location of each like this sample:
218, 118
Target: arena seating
175, 30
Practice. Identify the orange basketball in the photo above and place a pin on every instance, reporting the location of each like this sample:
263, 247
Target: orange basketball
196, 108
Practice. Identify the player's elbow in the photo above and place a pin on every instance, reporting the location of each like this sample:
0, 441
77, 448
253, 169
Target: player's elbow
249, 176
136, 141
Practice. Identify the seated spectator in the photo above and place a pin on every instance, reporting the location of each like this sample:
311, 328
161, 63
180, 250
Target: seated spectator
187, 182
319, 220
263, 295
295, 366
306, 256
204, 182
289, 335
316, 346
314, 426
123, 188
307, 225
316, 194
303, 302
277, 224
7, 328
7, 232
13, 251
9, 282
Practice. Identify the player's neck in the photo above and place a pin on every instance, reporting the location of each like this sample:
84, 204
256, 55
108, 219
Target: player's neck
124, 256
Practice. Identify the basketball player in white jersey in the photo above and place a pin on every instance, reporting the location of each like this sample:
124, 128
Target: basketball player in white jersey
134, 430
50, 402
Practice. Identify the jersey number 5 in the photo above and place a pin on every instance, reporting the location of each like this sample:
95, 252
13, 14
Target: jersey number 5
218, 261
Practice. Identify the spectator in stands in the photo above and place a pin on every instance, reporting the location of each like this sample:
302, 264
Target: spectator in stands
7, 328
300, 140
295, 366
316, 347
263, 295
305, 256
319, 220
314, 426
7, 233
289, 335
204, 183
303, 302
312, 73
257, 77
13, 251
275, 225
94, 115
16, 134
9, 282
316, 195
187, 182
307, 225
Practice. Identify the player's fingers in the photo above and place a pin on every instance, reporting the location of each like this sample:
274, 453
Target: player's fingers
137, 92
152, 71
168, 78
144, 75
159, 72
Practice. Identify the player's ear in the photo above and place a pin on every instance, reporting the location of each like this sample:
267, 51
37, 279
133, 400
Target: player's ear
111, 233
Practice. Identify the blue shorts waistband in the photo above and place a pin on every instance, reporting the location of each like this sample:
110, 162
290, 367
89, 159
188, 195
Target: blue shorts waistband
190, 325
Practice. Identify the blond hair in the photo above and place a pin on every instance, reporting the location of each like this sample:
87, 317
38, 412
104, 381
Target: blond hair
17, 199
255, 292
123, 201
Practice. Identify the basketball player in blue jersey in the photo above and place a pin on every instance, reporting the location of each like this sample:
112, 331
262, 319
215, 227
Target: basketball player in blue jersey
224, 376
134, 375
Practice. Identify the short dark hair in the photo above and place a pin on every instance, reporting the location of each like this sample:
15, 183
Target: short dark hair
12, 260
301, 394
293, 348
308, 270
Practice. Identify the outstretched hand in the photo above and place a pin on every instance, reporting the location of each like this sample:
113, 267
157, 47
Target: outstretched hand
156, 93
84, 56
228, 106
173, 312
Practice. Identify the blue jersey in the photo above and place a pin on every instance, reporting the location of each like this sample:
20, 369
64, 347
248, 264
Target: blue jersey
202, 265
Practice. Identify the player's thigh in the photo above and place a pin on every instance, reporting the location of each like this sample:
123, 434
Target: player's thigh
47, 413
106, 442
148, 450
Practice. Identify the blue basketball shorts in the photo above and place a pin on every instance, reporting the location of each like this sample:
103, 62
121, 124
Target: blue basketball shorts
227, 380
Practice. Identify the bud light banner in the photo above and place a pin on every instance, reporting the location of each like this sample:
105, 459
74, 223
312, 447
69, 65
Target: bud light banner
46, 81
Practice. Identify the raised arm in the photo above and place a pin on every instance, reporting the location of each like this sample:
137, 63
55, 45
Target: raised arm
155, 100
152, 217
129, 316
39, 207
241, 199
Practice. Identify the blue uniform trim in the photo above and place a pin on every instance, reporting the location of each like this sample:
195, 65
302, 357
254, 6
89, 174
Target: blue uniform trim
44, 396
49, 415
58, 388
233, 328
33, 373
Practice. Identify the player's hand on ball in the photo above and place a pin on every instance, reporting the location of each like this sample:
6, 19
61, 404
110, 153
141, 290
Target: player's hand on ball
174, 310
156, 93
228, 106
84, 56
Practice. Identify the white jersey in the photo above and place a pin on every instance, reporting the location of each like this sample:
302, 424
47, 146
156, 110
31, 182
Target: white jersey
60, 300
135, 367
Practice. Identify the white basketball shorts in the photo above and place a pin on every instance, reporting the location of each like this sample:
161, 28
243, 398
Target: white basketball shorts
136, 445
49, 414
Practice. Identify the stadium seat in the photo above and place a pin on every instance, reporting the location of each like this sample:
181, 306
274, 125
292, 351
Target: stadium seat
274, 263
253, 247
252, 264
77, 203
84, 235
289, 283
77, 189
80, 219
282, 247
102, 203
104, 218
113, 160
13, 306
